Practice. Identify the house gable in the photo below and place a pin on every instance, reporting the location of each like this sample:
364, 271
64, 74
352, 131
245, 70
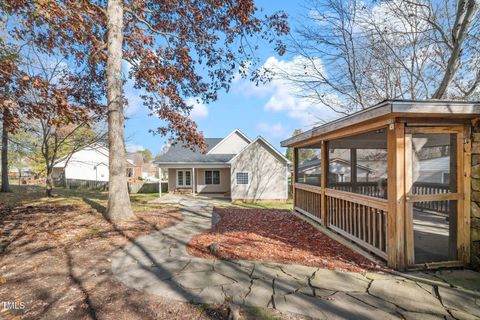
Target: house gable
235, 142
266, 171
93, 154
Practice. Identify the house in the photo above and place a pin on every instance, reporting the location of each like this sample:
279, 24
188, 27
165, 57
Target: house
235, 167
339, 171
139, 169
89, 163
134, 169
435, 170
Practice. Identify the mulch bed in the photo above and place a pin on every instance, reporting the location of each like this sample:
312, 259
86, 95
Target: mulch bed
55, 258
277, 236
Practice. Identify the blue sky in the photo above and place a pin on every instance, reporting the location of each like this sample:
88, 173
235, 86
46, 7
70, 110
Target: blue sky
270, 111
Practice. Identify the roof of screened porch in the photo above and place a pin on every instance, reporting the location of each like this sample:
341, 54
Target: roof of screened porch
387, 110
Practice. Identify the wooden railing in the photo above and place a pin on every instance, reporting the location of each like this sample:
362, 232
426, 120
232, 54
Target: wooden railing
360, 218
308, 200
372, 189
442, 206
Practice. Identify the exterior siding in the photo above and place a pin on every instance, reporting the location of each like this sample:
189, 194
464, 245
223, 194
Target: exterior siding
223, 187
172, 178
267, 174
87, 164
232, 145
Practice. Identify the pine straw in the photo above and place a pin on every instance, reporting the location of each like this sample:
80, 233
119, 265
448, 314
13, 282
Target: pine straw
276, 236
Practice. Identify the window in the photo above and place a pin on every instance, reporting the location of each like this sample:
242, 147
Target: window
212, 177
242, 177
183, 178
309, 168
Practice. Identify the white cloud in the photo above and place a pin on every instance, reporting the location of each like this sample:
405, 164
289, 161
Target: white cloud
199, 109
273, 130
283, 96
134, 147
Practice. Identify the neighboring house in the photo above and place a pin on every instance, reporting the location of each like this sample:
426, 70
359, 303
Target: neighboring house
435, 170
150, 171
235, 167
135, 167
89, 163
309, 171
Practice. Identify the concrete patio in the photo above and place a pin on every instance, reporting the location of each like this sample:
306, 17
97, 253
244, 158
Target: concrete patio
159, 264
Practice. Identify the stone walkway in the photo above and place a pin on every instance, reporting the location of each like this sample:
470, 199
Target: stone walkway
159, 264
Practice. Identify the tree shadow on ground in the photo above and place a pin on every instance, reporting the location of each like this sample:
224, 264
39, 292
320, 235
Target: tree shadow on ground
58, 257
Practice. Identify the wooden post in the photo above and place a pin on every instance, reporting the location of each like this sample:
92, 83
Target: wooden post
323, 201
409, 235
294, 177
467, 163
353, 169
463, 188
396, 196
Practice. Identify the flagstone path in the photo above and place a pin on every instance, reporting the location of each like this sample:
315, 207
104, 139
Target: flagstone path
159, 264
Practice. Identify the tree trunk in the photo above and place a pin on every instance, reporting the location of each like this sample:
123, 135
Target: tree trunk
5, 183
49, 183
119, 207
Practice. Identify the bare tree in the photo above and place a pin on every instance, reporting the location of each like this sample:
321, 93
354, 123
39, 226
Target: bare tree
353, 54
46, 145
56, 132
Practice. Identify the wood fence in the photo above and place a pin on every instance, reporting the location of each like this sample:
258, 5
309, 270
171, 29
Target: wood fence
133, 187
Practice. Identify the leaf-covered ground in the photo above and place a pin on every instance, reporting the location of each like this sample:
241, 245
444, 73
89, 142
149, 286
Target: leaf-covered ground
55, 258
277, 236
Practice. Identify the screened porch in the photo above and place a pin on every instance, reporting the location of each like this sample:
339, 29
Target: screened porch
393, 178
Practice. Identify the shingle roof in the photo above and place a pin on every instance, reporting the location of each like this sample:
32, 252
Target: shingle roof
178, 153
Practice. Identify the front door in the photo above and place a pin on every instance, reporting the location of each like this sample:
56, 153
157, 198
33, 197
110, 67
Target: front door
434, 169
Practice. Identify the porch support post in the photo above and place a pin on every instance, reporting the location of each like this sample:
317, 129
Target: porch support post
324, 164
464, 208
160, 181
193, 181
294, 176
353, 169
396, 196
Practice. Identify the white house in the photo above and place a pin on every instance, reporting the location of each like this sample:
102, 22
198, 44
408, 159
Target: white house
235, 167
88, 163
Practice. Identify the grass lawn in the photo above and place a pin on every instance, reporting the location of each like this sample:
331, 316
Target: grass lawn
55, 258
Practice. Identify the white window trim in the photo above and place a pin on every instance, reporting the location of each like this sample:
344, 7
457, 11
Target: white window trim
212, 184
249, 178
184, 185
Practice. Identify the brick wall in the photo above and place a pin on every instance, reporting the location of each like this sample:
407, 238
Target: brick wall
475, 212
